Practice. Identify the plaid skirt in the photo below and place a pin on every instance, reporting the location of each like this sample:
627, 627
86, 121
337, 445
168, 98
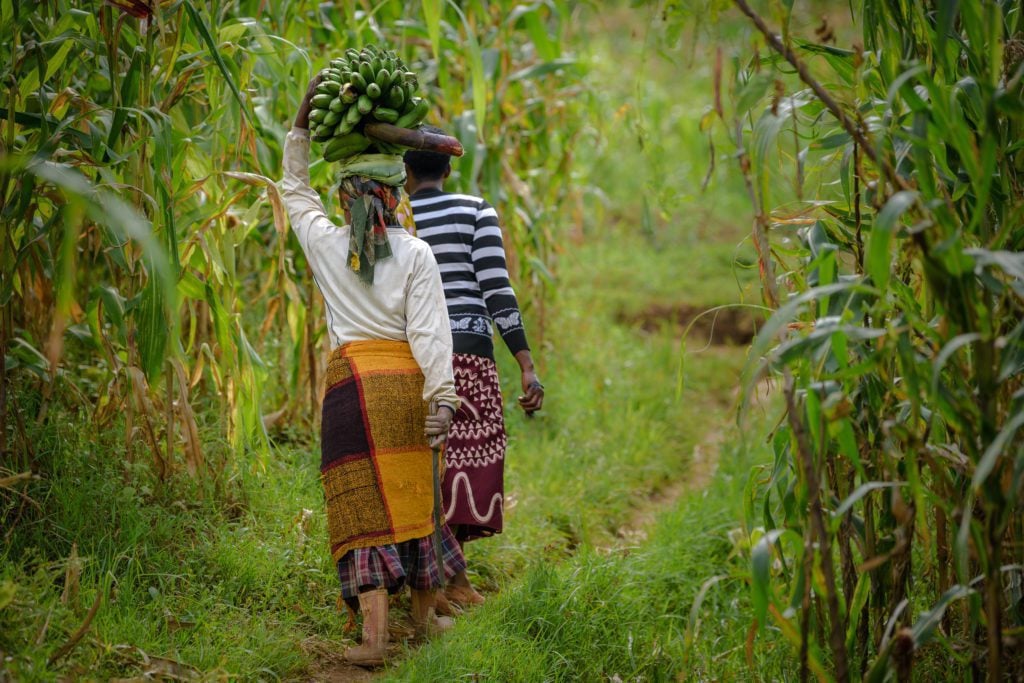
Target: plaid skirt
394, 565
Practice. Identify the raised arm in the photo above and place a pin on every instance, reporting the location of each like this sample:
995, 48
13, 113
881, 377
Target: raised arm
305, 209
302, 116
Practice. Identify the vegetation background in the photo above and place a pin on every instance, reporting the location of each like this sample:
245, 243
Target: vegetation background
835, 185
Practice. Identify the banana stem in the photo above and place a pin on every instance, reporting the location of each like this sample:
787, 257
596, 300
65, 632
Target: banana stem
414, 139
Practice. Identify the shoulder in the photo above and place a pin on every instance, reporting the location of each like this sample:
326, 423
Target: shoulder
479, 203
470, 203
414, 247
445, 199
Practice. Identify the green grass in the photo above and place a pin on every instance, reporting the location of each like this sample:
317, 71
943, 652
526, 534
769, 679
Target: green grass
230, 585
600, 615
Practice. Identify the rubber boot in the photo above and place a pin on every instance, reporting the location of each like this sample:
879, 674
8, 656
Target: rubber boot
442, 607
374, 646
425, 618
460, 592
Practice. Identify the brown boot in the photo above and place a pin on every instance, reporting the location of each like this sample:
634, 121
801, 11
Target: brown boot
442, 607
425, 618
374, 646
460, 592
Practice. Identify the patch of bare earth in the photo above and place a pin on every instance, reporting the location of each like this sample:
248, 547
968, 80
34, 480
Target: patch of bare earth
723, 327
329, 663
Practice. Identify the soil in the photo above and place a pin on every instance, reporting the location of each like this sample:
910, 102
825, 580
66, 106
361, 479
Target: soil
333, 668
330, 665
727, 326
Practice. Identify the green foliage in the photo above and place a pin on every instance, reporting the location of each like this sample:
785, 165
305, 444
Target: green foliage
888, 197
139, 153
181, 575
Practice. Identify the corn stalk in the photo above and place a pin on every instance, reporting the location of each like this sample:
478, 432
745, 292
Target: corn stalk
896, 169
147, 267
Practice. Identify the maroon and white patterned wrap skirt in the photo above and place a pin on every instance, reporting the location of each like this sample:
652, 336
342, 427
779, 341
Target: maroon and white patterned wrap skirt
473, 490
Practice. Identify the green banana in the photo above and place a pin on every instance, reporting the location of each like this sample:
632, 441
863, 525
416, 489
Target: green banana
395, 98
332, 118
345, 146
388, 147
385, 114
321, 101
365, 104
415, 115
336, 104
329, 88
372, 91
345, 126
367, 72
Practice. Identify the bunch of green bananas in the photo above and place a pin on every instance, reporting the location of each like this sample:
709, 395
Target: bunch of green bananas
364, 85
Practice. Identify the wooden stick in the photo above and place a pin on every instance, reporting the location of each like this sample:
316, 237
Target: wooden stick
414, 138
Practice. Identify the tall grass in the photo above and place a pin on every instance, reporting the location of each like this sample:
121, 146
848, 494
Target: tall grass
885, 181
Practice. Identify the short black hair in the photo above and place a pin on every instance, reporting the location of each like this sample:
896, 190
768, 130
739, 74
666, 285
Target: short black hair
428, 165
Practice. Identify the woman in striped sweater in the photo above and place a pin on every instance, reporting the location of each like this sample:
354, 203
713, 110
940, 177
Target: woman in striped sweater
465, 236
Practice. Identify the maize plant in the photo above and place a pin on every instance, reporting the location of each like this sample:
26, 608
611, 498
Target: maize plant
147, 272
888, 194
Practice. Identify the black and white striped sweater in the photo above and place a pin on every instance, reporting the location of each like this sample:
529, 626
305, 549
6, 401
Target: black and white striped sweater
463, 232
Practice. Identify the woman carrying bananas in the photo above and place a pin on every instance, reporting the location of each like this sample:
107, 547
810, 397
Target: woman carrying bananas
390, 394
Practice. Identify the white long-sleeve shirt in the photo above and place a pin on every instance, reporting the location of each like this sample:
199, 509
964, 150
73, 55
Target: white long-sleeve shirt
404, 303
